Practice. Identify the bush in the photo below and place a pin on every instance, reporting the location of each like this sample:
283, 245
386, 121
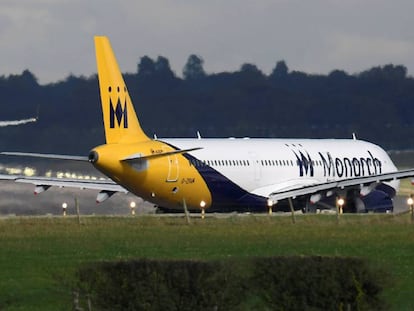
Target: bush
318, 283
276, 283
160, 285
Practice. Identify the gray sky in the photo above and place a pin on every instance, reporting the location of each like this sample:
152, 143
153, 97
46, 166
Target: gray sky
53, 38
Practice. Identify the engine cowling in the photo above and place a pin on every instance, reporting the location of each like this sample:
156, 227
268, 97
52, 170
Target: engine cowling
104, 195
41, 188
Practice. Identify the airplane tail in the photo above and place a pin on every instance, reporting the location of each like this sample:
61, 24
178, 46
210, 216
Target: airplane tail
120, 120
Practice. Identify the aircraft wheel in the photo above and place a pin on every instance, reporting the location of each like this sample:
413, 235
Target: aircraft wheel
310, 208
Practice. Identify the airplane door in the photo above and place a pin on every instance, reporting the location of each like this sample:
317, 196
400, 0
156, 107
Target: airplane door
172, 168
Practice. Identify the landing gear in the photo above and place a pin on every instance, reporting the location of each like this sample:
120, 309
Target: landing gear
310, 207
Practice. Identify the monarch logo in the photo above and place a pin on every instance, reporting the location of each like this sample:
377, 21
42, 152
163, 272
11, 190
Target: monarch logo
305, 163
119, 114
341, 167
350, 167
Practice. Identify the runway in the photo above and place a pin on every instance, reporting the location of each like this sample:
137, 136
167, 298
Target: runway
18, 199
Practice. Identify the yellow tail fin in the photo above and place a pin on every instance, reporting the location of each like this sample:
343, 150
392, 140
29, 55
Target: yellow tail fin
120, 120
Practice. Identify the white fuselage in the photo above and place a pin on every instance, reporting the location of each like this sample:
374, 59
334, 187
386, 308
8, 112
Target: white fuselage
262, 166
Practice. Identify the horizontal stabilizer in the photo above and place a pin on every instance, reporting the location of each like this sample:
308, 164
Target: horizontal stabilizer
46, 156
138, 156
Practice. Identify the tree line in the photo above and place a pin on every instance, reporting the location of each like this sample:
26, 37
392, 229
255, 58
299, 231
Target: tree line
376, 105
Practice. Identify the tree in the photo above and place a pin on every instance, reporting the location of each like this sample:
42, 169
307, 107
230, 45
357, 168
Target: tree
163, 69
193, 69
280, 71
250, 72
24, 80
387, 72
146, 67
250, 68
337, 74
29, 78
393, 72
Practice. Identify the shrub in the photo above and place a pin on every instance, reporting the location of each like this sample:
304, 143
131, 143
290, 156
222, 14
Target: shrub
275, 283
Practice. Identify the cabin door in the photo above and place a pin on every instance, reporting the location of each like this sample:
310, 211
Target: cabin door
172, 175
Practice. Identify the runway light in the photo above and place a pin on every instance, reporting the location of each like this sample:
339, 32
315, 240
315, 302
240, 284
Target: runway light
132, 207
202, 204
410, 201
28, 171
340, 203
64, 206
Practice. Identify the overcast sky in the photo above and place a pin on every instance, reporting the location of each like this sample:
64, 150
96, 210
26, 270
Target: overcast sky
54, 38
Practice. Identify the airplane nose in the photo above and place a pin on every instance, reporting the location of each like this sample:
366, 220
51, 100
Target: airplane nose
93, 156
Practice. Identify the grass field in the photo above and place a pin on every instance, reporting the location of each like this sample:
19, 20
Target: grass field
40, 255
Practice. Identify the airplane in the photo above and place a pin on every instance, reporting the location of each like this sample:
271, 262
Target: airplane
228, 174
17, 122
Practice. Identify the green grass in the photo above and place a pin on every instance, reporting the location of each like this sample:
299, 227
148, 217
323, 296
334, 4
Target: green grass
38, 256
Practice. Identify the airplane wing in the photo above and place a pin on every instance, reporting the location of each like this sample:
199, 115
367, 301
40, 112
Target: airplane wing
358, 182
106, 187
46, 156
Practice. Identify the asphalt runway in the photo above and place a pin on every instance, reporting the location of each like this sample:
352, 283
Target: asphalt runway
400, 204
18, 199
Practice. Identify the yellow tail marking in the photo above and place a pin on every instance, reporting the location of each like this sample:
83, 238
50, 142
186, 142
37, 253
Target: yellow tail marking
120, 120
